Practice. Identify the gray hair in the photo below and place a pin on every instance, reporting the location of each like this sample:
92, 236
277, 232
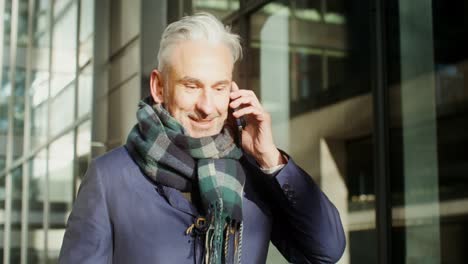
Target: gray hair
201, 26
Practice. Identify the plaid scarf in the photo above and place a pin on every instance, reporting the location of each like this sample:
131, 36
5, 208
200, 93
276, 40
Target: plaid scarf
163, 151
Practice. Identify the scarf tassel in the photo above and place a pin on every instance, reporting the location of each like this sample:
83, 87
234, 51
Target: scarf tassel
219, 231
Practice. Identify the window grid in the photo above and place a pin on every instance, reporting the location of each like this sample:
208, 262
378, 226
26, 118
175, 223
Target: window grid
23, 162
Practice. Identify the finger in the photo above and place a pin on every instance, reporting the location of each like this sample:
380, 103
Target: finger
250, 96
241, 100
234, 87
243, 92
250, 110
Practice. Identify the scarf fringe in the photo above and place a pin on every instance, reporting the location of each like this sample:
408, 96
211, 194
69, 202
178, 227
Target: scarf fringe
219, 231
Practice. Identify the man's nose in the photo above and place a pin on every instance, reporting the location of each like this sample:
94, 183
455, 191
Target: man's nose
206, 103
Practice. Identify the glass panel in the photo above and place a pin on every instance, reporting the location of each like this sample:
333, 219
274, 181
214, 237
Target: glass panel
7, 25
39, 87
86, 31
83, 149
64, 45
60, 7
40, 17
5, 85
36, 233
39, 107
18, 114
313, 77
428, 73
2, 211
16, 199
219, 8
5, 91
22, 39
62, 110
60, 192
20, 79
85, 92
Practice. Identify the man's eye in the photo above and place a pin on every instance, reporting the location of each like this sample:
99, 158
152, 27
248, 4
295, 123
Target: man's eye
220, 88
191, 86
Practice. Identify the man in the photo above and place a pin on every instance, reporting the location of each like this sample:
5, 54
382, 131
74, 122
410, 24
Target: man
181, 190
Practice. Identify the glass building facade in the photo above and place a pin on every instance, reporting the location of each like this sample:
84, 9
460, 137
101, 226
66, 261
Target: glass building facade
45, 121
369, 97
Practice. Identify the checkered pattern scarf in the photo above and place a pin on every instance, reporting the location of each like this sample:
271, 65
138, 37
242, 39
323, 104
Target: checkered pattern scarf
168, 156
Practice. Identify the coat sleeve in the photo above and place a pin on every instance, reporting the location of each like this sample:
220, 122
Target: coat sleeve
88, 236
306, 225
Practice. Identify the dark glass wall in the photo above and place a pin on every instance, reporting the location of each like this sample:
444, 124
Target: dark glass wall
428, 84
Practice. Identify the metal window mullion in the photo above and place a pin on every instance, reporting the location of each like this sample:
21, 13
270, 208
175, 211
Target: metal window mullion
9, 151
77, 72
27, 139
25, 213
46, 208
325, 73
381, 139
6, 224
2, 26
2, 14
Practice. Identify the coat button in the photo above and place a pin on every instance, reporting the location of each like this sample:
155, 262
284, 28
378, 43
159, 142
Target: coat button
289, 193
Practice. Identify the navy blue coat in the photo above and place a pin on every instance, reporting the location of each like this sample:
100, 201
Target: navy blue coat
120, 216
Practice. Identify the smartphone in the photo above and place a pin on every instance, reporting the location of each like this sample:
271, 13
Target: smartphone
239, 124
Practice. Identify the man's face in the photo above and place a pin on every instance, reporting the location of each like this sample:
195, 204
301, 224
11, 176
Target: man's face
199, 81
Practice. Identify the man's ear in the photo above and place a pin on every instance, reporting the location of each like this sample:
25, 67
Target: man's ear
156, 86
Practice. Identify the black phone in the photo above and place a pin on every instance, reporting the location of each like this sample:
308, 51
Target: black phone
239, 124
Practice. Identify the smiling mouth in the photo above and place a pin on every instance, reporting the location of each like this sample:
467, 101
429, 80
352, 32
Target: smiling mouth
202, 122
